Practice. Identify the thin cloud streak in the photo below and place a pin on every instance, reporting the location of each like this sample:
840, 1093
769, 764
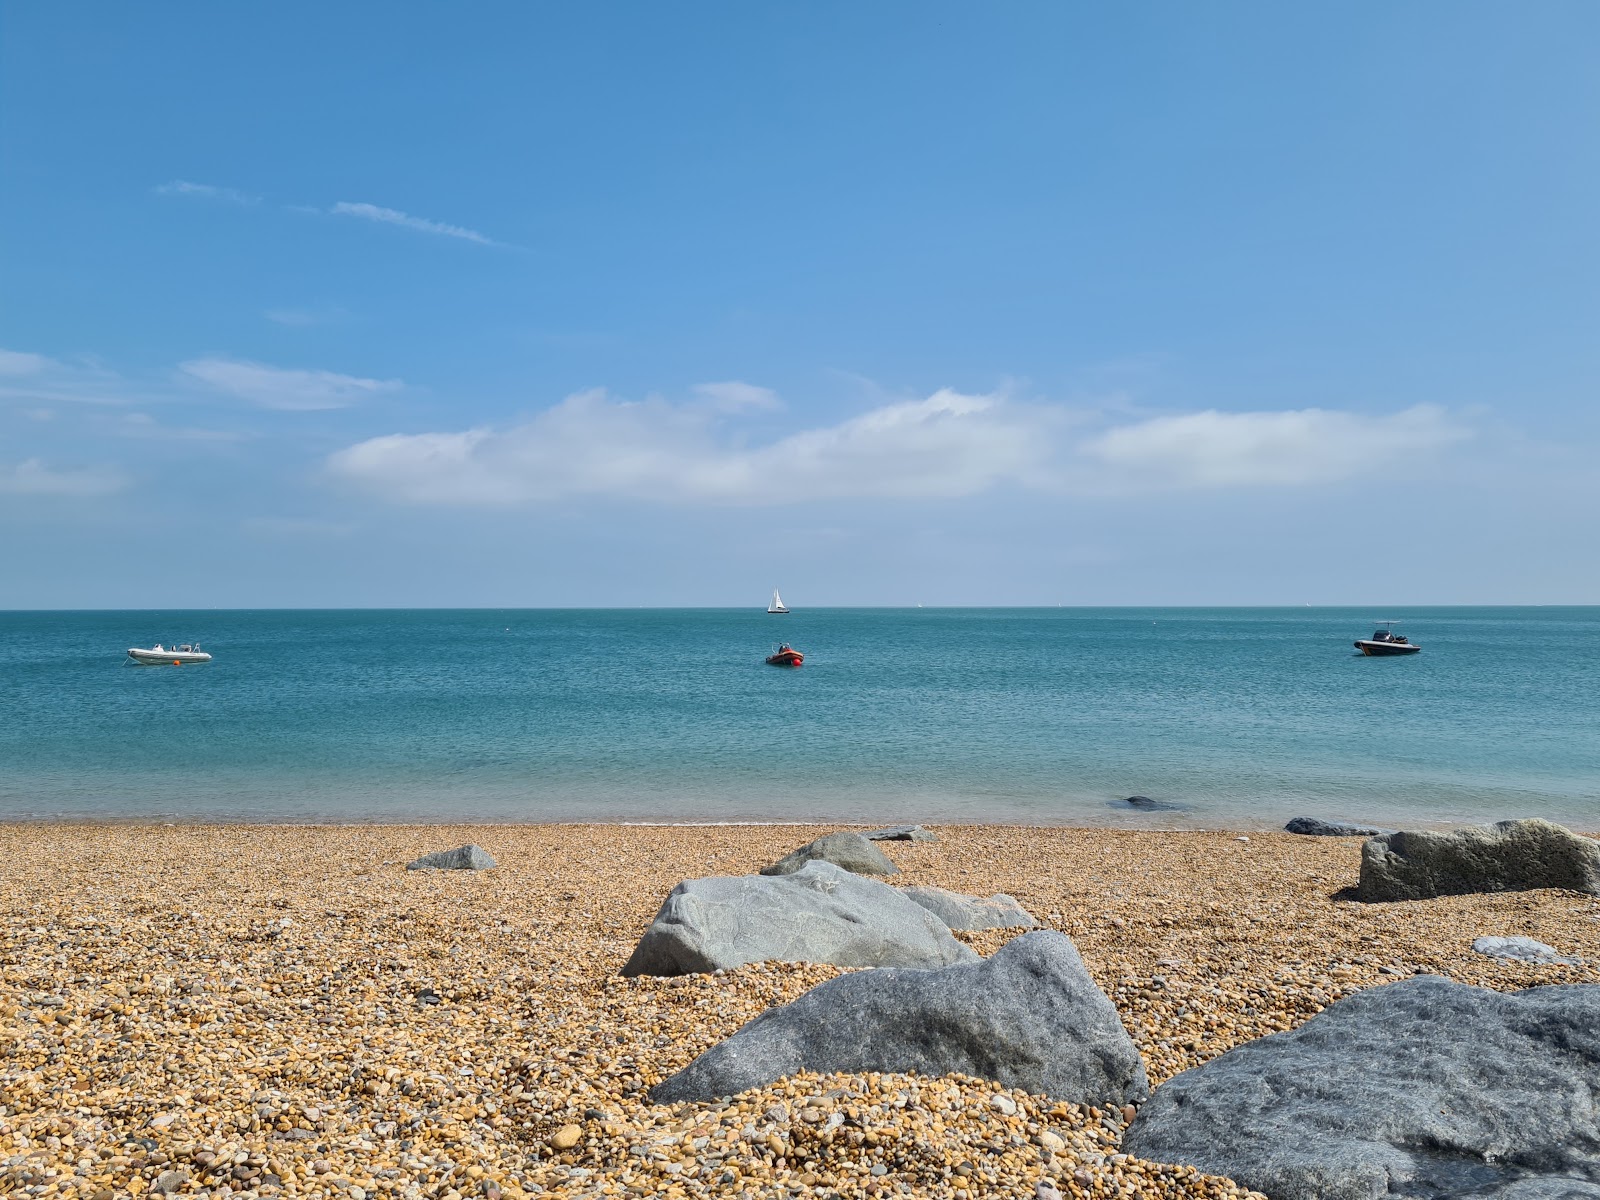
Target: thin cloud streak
206, 191
1296, 448
393, 216
32, 477
285, 389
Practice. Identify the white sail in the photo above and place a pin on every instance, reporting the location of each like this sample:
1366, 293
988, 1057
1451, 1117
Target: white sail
777, 603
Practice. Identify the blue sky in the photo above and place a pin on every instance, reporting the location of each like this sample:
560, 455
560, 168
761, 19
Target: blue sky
647, 304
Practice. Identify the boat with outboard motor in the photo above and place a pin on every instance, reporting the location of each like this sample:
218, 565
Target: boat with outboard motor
1384, 642
787, 656
175, 656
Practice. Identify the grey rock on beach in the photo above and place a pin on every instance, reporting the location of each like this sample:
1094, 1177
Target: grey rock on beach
1425, 1088
1028, 1017
1317, 827
848, 850
1509, 856
902, 833
462, 858
959, 911
821, 913
1524, 950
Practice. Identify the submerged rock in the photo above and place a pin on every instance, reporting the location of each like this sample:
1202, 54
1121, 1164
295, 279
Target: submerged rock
1145, 804
1523, 949
462, 858
1509, 856
1424, 1088
1029, 1017
959, 911
821, 913
902, 833
848, 850
1317, 827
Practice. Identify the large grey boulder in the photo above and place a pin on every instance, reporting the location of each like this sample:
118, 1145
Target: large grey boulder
901, 833
1317, 827
1424, 1088
1509, 856
462, 858
959, 911
848, 850
821, 913
1028, 1017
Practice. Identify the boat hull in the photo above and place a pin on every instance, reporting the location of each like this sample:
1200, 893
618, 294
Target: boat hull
788, 658
1386, 649
168, 658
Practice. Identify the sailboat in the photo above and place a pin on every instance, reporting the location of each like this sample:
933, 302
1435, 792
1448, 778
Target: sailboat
777, 603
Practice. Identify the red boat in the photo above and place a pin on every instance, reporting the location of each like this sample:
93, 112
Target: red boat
787, 656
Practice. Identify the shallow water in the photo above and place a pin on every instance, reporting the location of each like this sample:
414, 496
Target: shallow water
1244, 717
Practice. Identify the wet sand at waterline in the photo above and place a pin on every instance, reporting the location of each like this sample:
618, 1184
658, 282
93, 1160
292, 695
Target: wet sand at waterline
287, 1011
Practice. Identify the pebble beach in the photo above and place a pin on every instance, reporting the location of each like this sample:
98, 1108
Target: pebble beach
286, 1011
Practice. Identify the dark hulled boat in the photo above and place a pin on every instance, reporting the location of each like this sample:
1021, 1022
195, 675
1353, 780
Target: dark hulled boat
1384, 642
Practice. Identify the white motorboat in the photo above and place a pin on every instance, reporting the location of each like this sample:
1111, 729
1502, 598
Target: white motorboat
777, 603
169, 656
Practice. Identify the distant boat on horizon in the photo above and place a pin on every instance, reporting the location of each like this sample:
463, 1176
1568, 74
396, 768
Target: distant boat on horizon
777, 605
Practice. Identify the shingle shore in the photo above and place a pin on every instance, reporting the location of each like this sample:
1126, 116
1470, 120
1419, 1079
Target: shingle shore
287, 1011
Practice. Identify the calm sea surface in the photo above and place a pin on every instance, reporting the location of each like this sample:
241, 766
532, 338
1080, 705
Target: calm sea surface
1246, 716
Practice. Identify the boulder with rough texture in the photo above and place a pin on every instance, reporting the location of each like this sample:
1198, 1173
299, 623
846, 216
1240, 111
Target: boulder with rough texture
902, 833
821, 913
1523, 949
1317, 827
1029, 1017
959, 911
462, 858
848, 850
1425, 1088
1509, 856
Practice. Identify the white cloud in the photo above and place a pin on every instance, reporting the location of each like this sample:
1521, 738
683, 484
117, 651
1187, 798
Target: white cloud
205, 191
947, 445
17, 362
286, 389
35, 379
734, 396
1308, 446
393, 216
590, 444
32, 478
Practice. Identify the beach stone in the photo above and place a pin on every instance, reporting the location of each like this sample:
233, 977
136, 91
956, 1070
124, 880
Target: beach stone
959, 911
1425, 1088
1028, 1017
566, 1137
1508, 856
1146, 804
1317, 827
1523, 949
848, 850
902, 833
462, 858
821, 913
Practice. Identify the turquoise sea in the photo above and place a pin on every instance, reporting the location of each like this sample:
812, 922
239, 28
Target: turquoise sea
1245, 716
